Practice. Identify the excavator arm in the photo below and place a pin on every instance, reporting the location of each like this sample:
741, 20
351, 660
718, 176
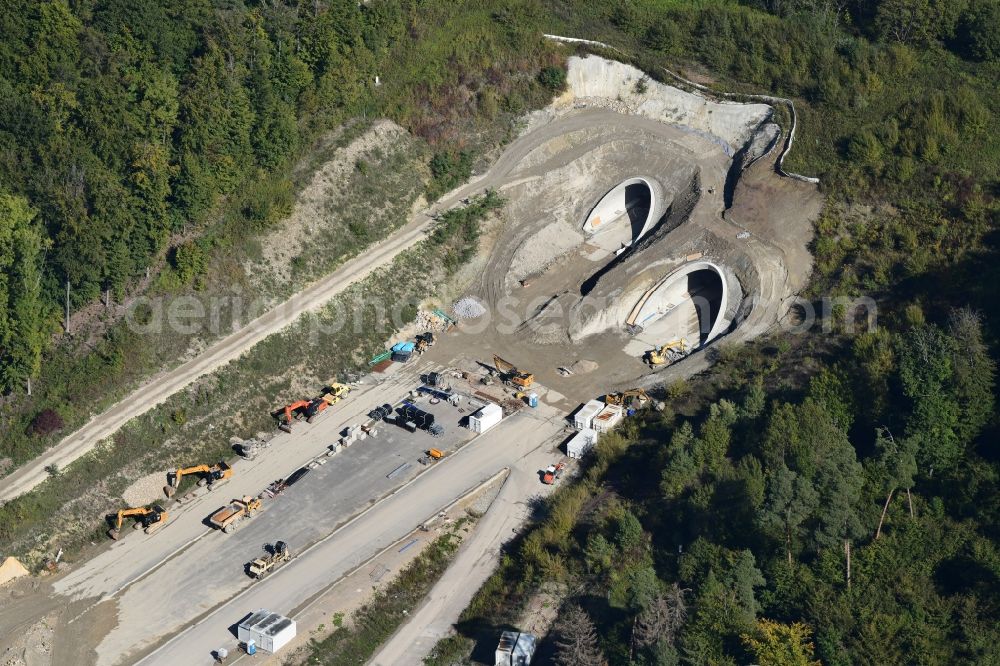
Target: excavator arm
183, 471
152, 518
125, 513
212, 475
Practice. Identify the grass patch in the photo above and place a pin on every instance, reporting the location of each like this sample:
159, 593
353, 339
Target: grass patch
379, 619
67, 509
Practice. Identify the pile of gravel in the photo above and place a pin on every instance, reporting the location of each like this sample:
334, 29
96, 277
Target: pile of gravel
146, 489
468, 308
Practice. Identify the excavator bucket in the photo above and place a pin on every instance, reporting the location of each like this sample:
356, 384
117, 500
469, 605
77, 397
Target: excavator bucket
114, 534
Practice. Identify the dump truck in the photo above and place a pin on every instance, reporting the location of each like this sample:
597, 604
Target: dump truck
228, 517
213, 476
552, 473
149, 518
275, 555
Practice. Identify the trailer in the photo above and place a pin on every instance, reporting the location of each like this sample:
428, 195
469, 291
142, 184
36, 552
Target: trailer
266, 631
485, 418
584, 417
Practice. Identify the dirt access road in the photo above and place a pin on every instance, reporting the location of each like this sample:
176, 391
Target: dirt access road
476, 561
158, 389
517, 443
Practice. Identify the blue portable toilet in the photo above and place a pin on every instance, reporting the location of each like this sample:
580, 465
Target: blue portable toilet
533, 400
251, 647
630, 412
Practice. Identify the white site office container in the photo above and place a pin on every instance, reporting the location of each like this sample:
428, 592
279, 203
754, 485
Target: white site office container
581, 443
515, 649
584, 417
269, 631
486, 418
608, 418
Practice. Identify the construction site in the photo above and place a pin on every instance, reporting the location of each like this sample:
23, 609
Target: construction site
642, 226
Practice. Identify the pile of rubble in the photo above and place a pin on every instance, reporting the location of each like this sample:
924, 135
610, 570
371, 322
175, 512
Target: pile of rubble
428, 321
250, 448
468, 308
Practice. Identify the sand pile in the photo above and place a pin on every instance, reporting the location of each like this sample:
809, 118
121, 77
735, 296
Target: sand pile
468, 308
146, 490
11, 569
583, 366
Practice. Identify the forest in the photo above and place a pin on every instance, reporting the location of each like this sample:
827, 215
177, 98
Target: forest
829, 497
147, 148
130, 128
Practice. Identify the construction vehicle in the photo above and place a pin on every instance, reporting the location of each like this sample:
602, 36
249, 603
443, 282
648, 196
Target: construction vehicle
274, 555
510, 374
669, 353
332, 394
228, 517
149, 518
430, 456
212, 476
291, 412
552, 473
425, 341
623, 397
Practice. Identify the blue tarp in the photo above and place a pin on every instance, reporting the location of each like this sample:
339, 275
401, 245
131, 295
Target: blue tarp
404, 347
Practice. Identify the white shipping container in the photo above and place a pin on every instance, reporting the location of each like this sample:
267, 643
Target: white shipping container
486, 418
515, 649
581, 443
584, 417
269, 631
608, 418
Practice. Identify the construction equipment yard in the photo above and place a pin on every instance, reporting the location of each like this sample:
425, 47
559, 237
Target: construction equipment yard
588, 277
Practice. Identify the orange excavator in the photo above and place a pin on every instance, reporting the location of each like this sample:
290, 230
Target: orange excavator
212, 476
291, 412
150, 518
332, 394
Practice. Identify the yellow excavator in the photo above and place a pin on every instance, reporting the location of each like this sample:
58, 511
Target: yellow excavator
212, 476
668, 353
624, 397
509, 373
150, 518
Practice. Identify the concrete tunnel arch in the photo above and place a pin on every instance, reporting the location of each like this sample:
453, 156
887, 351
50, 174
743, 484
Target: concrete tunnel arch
634, 199
688, 303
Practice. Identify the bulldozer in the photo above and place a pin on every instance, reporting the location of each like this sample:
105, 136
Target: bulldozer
149, 518
666, 354
212, 476
511, 375
624, 397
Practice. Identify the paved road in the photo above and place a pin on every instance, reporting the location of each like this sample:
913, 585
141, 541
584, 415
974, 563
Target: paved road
161, 387
474, 563
509, 444
136, 555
